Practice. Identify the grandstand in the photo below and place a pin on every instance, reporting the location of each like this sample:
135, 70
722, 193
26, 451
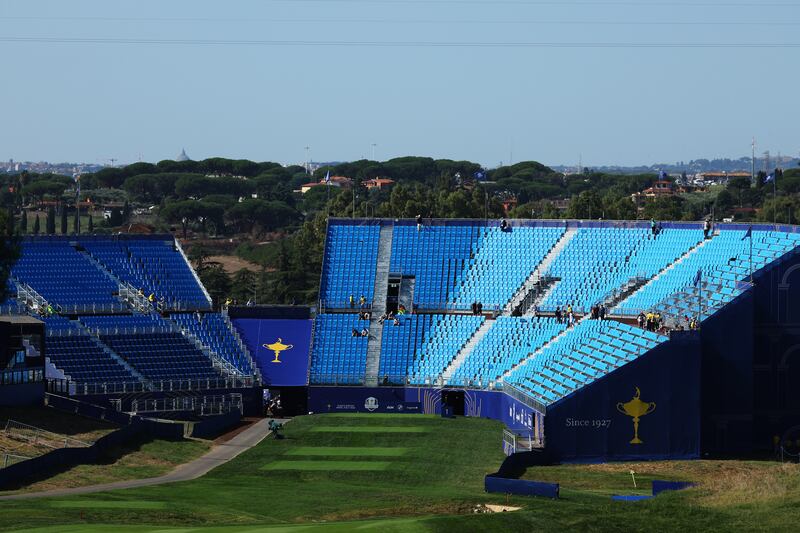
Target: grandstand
517, 347
126, 316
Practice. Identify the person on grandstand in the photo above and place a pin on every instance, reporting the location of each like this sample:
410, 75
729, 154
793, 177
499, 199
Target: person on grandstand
419, 222
362, 301
480, 308
594, 312
355, 333
503, 225
352, 300
601, 312
558, 314
151, 298
640, 320
364, 332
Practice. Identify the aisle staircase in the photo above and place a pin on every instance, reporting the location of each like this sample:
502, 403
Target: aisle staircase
378, 306
536, 278
465, 351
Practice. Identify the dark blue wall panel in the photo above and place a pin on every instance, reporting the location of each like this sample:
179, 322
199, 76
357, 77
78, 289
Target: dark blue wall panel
591, 425
292, 370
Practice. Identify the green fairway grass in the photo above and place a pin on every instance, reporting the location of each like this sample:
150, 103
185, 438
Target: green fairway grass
361, 451
332, 466
368, 429
433, 486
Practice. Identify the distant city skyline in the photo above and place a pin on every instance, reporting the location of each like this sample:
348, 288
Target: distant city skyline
607, 83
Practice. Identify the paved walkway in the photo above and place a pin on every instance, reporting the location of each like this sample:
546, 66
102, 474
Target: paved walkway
216, 456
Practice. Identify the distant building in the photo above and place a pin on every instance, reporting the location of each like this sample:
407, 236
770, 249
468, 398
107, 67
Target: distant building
336, 181
378, 183
509, 203
182, 156
722, 178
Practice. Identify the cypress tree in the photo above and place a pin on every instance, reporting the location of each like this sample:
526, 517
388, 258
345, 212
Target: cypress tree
36, 225
51, 221
91, 224
64, 228
23, 222
77, 223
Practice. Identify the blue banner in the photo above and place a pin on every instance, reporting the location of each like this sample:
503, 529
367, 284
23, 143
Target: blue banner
279, 347
648, 409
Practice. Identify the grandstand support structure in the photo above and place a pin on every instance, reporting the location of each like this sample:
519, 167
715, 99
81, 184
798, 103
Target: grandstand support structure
464, 352
539, 272
194, 274
375, 340
666, 269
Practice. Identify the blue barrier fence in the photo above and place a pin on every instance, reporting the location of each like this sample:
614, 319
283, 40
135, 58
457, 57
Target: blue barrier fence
519, 487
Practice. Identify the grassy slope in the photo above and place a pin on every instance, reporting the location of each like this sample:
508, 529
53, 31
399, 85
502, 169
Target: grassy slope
441, 474
137, 461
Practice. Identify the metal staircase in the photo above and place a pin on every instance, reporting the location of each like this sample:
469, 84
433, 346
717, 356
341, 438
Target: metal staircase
378, 306
534, 280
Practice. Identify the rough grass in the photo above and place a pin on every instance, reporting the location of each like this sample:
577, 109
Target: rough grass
137, 461
71, 425
435, 486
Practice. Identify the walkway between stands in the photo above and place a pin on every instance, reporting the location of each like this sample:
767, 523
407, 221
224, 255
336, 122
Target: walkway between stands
218, 455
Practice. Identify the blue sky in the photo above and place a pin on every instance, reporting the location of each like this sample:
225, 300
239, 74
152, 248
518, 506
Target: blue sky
246, 96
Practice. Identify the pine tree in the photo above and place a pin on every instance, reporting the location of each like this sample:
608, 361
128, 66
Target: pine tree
64, 220
36, 225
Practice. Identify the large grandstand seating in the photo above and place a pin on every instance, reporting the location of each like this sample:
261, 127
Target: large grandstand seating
437, 256
507, 343
337, 355
153, 266
215, 333
454, 263
102, 342
350, 263
64, 277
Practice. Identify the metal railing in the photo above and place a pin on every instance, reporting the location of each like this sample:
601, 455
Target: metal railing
202, 405
12, 459
38, 436
73, 388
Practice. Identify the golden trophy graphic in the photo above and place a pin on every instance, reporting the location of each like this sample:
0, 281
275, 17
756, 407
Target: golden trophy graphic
277, 348
636, 408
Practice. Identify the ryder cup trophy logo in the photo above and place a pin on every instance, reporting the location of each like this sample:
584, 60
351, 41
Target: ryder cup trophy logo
277, 348
371, 404
636, 409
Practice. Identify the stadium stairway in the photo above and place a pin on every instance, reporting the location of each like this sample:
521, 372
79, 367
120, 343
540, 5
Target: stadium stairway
552, 342
113, 355
464, 352
694, 249
536, 276
378, 306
